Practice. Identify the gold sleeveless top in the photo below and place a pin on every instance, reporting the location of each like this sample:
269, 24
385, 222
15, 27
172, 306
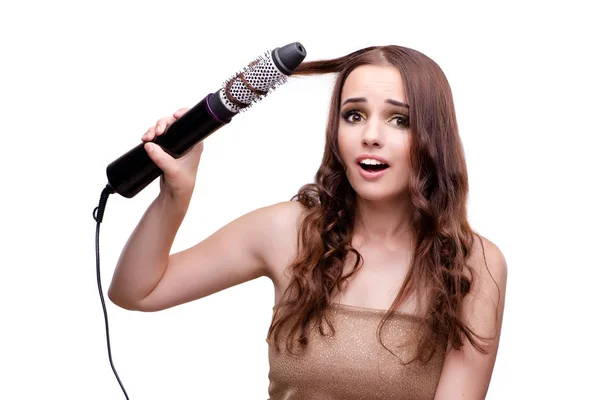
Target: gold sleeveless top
352, 364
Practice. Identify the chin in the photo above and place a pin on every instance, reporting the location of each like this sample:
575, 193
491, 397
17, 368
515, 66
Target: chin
386, 189
376, 193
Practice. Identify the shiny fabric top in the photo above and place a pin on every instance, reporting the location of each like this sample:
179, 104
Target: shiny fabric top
352, 364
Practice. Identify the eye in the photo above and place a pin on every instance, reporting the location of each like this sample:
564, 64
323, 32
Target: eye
400, 121
353, 116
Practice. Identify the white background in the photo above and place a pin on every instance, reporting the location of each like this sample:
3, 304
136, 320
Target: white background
81, 81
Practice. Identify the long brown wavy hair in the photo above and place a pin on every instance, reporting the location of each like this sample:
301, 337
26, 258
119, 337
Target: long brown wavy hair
438, 187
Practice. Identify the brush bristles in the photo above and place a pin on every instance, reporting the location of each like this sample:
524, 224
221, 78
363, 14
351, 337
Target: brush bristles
248, 67
255, 81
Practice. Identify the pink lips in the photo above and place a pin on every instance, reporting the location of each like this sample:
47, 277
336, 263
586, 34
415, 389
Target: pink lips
374, 157
371, 175
367, 174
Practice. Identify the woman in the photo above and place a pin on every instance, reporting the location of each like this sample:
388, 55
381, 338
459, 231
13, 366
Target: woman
382, 289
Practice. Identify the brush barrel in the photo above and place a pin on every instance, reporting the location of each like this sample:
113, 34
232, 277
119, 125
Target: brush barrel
258, 79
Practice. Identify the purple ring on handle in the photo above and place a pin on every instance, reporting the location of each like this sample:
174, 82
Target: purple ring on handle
210, 110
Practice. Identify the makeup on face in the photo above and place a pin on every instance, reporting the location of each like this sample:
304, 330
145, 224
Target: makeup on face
357, 114
372, 166
371, 174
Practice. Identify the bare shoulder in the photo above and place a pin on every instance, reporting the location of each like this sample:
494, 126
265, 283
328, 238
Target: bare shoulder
285, 213
281, 245
488, 260
484, 306
284, 218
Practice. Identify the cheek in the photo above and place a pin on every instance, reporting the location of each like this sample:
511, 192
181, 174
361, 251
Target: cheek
344, 148
403, 166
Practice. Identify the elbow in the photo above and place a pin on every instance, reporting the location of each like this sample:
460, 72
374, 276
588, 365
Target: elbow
128, 305
121, 302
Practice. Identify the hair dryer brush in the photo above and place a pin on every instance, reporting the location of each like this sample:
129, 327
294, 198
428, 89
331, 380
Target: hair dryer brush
134, 170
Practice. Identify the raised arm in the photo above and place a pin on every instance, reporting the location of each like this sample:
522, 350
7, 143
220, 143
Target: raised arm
236, 253
149, 278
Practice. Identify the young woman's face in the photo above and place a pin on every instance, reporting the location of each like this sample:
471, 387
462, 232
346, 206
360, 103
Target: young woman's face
373, 134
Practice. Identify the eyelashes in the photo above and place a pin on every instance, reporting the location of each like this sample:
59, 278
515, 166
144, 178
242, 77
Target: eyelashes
354, 116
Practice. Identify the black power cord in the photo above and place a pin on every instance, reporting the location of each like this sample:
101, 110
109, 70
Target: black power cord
98, 215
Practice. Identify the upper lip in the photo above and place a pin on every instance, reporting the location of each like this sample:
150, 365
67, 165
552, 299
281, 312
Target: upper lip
374, 157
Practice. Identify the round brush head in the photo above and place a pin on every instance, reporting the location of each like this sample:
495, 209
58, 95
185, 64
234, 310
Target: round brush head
261, 77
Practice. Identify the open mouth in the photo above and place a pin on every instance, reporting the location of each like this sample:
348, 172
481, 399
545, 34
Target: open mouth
373, 167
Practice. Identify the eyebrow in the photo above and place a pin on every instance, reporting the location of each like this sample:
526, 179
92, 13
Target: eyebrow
364, 100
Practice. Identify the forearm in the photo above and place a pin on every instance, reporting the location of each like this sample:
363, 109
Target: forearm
145, 256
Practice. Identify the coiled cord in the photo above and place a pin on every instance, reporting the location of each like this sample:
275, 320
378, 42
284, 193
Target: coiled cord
98, 215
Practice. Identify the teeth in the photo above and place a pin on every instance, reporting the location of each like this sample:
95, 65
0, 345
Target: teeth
370, 161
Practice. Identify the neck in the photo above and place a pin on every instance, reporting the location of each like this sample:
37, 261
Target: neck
383, 223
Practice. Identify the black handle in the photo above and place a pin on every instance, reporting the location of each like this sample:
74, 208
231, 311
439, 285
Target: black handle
134, 170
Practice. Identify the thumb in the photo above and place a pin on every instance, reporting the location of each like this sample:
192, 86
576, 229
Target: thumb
162, 160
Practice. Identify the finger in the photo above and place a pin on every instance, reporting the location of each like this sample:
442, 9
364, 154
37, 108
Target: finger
162, 160
180, 112
162, 124
151, 133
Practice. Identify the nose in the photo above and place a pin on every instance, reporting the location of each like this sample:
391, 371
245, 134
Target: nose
371, 135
